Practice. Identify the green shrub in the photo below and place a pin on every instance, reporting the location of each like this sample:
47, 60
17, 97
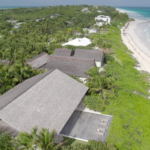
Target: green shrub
5, 141
92, 145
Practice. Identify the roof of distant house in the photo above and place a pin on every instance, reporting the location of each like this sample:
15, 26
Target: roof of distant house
79, 42
39, 60
84, 9
89, 29
4, 62
98, 55
63, 52
70, 65
47, 100
55, 15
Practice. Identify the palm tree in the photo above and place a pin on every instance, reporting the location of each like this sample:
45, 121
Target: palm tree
46, 140
26, 141
99, 83
92, 72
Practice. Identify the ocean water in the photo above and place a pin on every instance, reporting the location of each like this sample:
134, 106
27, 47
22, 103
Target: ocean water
141, 13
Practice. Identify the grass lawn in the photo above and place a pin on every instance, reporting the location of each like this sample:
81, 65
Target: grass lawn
130, 128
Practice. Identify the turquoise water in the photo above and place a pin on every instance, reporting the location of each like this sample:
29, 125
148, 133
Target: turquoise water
141, 13
137, 12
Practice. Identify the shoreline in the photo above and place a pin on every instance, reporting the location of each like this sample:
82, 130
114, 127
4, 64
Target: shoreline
140, 50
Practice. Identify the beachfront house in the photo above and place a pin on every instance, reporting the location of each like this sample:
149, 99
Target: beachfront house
54, 15
97, 55
50, 100
106, 19
90, 31
38, 61
79, 42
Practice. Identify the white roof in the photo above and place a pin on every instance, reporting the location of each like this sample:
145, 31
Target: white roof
79, 42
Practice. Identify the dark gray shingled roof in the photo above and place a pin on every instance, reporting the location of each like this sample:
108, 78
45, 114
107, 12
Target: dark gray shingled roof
12, 94
4, 127
70, 65
49, 103
98, 55
39, 60
63, 52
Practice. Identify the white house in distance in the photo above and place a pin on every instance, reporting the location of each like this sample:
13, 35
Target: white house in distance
100, 11
85, 10
54, 15
106, 19
79, 42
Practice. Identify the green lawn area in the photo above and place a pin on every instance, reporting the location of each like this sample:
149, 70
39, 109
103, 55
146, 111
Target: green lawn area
130, 128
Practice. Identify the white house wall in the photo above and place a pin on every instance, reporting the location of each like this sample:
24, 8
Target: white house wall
98, 63
99, 23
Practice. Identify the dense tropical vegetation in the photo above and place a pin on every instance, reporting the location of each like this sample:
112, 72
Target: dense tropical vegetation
119, 90
45, 140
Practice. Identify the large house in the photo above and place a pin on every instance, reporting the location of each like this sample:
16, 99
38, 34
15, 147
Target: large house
97, 55
51, 100
106, 19
72, 63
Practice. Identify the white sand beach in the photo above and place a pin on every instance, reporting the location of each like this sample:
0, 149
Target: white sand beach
135, 40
